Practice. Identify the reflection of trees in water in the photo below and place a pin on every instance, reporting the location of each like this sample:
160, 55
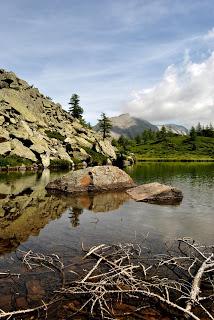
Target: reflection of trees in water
74, 216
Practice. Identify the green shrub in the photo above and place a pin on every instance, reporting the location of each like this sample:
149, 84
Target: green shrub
60, 163
54, 135
76, 161
14, 161
96, 158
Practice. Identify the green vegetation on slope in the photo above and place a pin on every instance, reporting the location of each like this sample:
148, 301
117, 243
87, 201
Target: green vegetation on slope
13, 161
169, 147
54, 135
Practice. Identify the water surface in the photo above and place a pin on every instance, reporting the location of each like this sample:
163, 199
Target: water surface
30, 218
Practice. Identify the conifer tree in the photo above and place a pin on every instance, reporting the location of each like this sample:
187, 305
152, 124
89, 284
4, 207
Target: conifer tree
193, 134
104, 125
75, 109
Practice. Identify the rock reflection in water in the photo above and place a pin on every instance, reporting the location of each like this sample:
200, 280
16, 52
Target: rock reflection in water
26, 207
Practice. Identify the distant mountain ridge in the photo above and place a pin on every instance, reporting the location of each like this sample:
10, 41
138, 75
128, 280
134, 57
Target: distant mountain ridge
129, 126
174, 128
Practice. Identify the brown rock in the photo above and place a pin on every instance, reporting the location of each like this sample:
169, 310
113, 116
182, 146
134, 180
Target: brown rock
156, 193
99, 178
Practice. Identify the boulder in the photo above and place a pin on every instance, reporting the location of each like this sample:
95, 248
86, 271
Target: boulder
156, 193
92, 179
39, 144
2, 119
45, 158
4, 134
20, 150
106, 148
5, 147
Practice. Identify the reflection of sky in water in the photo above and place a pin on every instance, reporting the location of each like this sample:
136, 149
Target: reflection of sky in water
63, 223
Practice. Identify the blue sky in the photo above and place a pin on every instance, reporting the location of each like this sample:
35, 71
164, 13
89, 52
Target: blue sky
136, 56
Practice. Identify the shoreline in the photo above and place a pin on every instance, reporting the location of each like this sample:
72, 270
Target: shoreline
56, 168
174, 160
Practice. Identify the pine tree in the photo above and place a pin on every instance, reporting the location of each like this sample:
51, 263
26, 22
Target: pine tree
199, 129
104, 125
75, 109
193, 134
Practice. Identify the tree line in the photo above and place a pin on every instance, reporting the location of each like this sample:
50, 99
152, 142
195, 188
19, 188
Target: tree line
149, 136
202, 131
76, 111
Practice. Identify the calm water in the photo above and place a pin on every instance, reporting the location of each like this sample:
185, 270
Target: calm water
30, 218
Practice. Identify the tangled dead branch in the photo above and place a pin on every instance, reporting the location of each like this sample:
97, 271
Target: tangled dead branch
179, 282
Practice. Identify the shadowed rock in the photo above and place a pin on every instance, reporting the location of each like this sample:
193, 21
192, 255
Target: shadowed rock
156, 193
95, 179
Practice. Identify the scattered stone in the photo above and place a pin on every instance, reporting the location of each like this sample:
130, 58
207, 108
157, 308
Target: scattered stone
92, 179
29, 117
156, 193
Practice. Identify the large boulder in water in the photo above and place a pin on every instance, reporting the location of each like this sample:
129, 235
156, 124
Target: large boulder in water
156, 193
94, 179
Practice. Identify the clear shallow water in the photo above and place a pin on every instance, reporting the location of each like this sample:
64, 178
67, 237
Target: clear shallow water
32, 219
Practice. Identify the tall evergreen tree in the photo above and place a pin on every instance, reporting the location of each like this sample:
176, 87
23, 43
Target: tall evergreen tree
104, 125
193, 134
199, 129
75, 109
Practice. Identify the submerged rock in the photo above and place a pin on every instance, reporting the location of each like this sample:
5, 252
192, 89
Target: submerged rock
94, 179
156, 193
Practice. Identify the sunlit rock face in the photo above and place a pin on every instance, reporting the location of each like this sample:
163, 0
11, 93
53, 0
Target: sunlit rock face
36, 128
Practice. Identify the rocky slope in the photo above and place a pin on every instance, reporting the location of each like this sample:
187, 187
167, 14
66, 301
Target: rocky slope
33, 127
174, 128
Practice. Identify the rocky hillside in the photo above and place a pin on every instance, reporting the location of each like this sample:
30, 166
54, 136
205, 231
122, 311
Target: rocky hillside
128, 126
175, 128
35, 128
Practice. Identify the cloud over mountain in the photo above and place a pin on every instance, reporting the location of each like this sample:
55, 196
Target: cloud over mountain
184, 94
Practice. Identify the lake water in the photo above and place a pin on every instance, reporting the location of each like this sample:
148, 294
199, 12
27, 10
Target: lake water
30, 218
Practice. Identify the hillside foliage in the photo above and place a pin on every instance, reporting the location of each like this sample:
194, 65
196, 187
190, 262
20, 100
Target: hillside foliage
150, 145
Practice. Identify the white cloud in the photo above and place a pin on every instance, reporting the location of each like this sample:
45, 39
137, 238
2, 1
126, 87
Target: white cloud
209, 35
184, 95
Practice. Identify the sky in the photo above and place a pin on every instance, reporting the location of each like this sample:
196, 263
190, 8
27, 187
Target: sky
151, 58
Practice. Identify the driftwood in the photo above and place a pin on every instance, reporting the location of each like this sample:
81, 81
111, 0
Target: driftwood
179, 282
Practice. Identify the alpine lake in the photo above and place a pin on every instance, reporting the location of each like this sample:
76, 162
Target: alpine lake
32, 219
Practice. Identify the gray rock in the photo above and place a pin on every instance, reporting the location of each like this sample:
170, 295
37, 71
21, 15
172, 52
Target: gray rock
156, 193
20, 150
5, 147
1, 120
40, 126
92, 179
45, 158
